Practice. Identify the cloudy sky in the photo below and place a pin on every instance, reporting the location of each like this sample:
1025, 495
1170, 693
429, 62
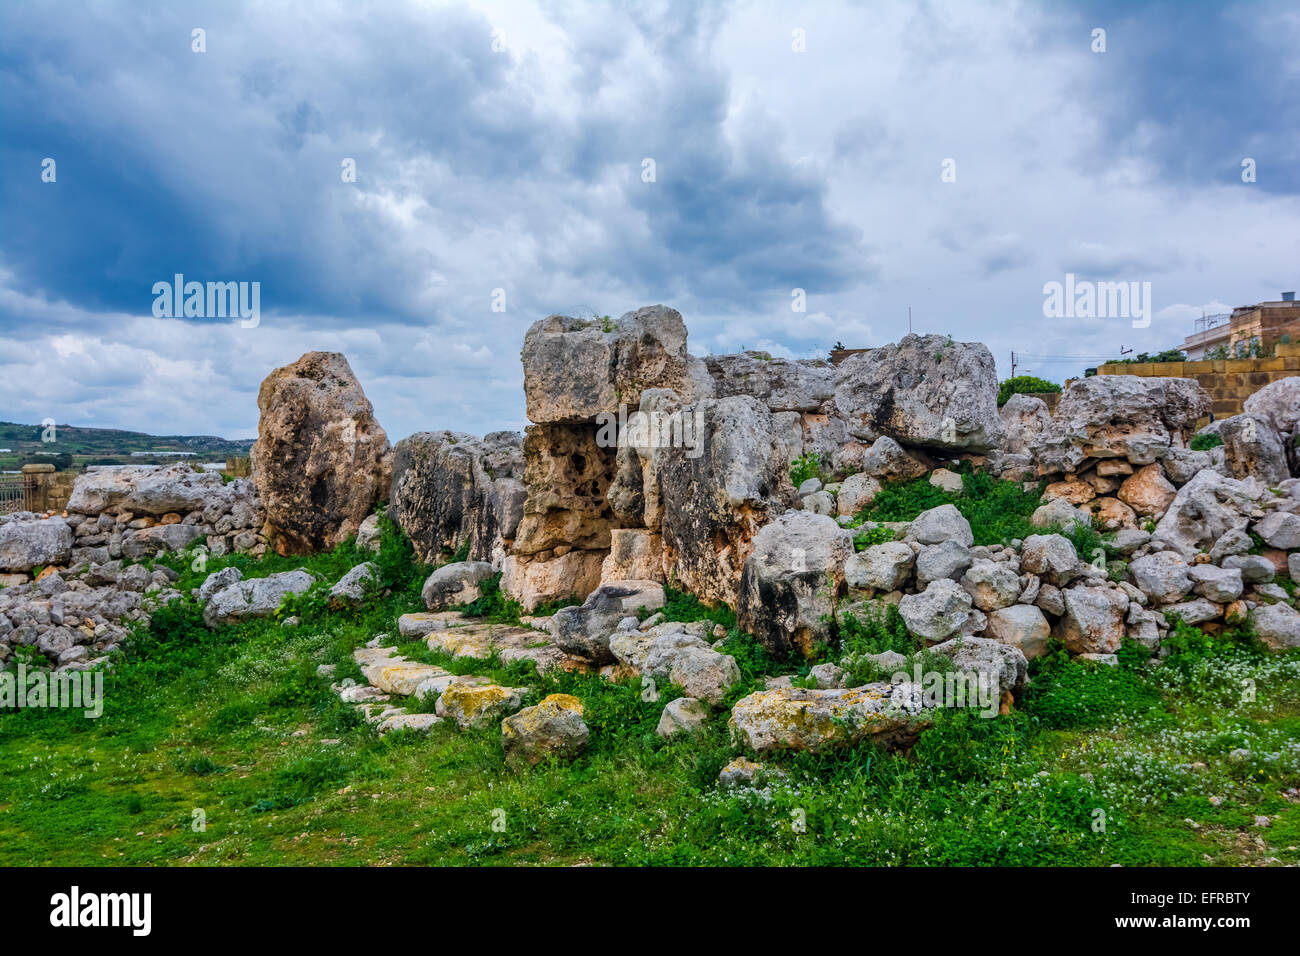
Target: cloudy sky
501, 146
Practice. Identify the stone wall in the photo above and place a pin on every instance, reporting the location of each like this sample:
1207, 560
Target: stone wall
48, 490
1229, 381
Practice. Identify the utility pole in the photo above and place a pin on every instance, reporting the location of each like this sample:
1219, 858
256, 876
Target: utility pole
1013, 363
909, 320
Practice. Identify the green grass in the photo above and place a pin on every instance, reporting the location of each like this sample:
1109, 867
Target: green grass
229, 728
997, 510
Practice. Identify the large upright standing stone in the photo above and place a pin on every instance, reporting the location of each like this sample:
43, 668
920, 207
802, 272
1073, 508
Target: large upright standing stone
718, 494
451, 490
791, 580
320, 461
580, 374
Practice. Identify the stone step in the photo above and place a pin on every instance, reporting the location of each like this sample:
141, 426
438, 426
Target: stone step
419, 623
365, 656
400, 676
510, 644
421, 723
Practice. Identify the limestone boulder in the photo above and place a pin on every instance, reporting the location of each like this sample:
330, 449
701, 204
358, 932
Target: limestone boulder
634, 554
351, 589
1196, 611
451, 490
577, 369
881, 567
1093, 622
793, 718
532, 580
944, 523
550, 730
927, 391
1277, 404
160, 539
887, 460
1163, 576
1221, 585
1022, 626
1182, 464
856, 492
567, 475
704, 673
455, 583
321, 461
945, 560
1059, 513
255, 597
1278, 625
1147, 491
1024, 418
1207, 508
584, 630
1280, 529
1002, 666
791, 580
1119, 416
938, 612
27, 543
147, 490
784, 385
1253, 448
991, 584
476, 705
368, 535
716, 496
682, 717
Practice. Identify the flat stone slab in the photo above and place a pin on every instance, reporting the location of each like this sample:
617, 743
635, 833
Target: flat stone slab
421, 723
475, 641
399, 676
365, 656
478, 641
420, 623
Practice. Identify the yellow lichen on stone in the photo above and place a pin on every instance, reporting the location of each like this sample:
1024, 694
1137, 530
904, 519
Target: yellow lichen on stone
460, 642
558, 702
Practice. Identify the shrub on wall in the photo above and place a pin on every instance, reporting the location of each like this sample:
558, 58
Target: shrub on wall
1168, 355
1022, 385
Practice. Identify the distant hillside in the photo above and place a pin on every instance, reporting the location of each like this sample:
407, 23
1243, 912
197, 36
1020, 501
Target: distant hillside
107, 445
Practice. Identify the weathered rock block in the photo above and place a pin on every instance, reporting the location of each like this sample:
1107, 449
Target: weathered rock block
791, 580
575, 369
926, 390
24, 544
717, 497
1119, 416
321, 461
551, 729
451, 489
